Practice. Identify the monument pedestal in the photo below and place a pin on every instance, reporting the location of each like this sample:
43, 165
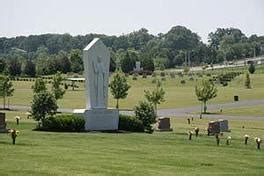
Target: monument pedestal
99, 119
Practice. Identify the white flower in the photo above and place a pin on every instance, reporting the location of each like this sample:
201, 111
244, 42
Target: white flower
17, 117
258, 140
229, 138
246, 136
190, 132
13, 131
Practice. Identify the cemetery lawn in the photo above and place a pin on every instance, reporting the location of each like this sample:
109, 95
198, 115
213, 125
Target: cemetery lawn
177, 94
160, 153
246, 111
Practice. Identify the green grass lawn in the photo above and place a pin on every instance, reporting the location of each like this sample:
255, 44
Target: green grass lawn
247, 111
177, 95
160, 153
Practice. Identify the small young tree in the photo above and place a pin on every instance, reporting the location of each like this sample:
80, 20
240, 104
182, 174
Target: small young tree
6, 88
205, 91
247, 81
145, 112
156, 96
119, 87
56, 89
43, 104
251, 68
39, 85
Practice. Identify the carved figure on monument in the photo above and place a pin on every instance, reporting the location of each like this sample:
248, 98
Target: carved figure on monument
99, 79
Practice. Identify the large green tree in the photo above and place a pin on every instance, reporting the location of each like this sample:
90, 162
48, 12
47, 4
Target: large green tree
14, 67
29, 68
76, 61
128, 62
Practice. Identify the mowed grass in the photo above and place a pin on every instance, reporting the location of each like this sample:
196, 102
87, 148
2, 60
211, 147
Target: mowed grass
177, 94
160, 153
247, 111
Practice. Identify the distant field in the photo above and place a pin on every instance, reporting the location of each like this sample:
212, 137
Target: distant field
177, 94
161, 153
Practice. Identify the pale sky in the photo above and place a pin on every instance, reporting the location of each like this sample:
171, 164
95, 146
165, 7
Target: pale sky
116, 17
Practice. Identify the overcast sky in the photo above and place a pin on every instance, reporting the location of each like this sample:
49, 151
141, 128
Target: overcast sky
116, 17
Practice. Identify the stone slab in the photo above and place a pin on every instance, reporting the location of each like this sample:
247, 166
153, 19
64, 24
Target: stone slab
99, 119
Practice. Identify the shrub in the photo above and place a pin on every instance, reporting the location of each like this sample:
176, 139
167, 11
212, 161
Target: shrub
183, 81
163, 79
172, 74
154, 81
145, 112
134, 77
66, 86
200, 75
63, 123
191, 78
251, 68
130, 123
247, 81
180, 74
186, 70
225, 83
154, 74
162, 74
144, 76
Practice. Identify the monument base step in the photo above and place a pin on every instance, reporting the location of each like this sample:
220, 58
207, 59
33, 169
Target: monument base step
99, 119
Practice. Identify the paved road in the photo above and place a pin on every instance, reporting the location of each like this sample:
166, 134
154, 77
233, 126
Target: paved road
186, 111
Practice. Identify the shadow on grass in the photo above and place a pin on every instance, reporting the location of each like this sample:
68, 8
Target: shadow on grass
83, 131
212, 113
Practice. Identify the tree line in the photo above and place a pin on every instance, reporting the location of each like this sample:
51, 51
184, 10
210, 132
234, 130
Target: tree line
48, 53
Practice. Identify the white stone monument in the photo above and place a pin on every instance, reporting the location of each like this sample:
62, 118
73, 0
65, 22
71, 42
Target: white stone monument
138, 66
96, 59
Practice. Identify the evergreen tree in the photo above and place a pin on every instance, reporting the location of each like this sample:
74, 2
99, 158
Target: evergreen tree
247, 81
14, 67
251, 68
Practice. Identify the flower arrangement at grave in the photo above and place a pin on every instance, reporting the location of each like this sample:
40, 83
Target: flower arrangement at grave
17, 119
258, 141
246, 138
28, 114
190, 133
228, 140
196, 130
13, 133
